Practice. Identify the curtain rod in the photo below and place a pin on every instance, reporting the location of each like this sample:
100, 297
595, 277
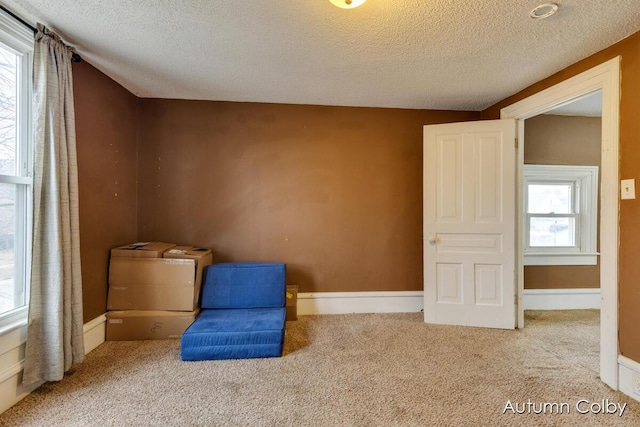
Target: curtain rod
74, 56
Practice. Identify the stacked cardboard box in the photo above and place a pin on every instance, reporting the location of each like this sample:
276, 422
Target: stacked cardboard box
154, 290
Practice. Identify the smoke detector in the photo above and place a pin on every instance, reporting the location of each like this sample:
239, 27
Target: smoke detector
347, 4
545, 10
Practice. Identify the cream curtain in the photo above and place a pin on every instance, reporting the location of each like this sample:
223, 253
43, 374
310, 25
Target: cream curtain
54, 335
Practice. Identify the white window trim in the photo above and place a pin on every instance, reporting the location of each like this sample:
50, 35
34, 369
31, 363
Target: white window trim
14, 35
586, 179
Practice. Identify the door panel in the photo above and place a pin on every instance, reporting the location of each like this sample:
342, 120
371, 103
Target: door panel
488, 162
461, 243
488, 284
449, 178
449, 283
469, 223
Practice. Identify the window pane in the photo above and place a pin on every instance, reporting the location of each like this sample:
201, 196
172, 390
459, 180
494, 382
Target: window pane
8, 109
552, 232
11, 290
550, 198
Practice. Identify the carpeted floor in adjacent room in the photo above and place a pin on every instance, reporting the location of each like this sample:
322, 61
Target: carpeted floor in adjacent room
345, 370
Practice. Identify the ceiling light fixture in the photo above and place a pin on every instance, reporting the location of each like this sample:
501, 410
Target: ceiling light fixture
544, 11
347, 4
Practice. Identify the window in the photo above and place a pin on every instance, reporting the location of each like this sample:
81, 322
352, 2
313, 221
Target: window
16, 46
561, 210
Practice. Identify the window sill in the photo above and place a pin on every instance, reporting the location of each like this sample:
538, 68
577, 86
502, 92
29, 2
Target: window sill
561, 259
15, 320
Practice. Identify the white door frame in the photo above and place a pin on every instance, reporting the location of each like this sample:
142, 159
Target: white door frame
604, 77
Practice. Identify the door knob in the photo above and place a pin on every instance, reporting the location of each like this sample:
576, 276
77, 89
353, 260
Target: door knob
433, 240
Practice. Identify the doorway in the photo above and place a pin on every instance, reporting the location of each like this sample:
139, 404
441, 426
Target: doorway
562, 155
604, 78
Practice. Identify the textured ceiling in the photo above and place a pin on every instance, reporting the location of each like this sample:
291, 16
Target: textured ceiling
436, 54
590, 105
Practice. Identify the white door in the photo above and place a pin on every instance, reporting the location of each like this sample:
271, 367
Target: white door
469, 229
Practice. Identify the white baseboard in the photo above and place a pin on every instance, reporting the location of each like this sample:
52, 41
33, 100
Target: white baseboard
629, 377
12, 359
561, 299
360, 302
94, 333
413, 301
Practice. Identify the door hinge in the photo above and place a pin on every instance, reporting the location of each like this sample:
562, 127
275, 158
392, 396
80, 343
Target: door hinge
516, 142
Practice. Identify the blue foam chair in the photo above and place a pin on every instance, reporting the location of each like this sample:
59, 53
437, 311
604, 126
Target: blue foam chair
243, 313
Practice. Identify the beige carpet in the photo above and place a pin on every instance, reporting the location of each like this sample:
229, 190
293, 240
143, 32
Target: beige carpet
343, 370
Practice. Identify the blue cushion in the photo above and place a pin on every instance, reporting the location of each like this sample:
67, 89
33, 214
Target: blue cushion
235, 334
244, 285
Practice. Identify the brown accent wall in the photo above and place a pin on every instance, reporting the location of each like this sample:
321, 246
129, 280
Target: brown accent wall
561, 276
334, 192
629, 250
106, 129
562, 140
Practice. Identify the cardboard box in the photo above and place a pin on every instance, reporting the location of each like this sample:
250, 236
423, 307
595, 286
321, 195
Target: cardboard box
147, 325
292, 302
201, 256
155, 283
187, 252
142, 250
